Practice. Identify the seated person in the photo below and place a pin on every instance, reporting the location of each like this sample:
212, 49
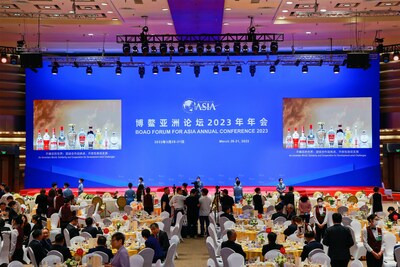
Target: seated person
292, 228
311, 244
151, 242
102, 246
230, 243
290, 213
12, 211
92, 230
38, 225
392, 213
38, 250
3, 228
73, 227
161, 237
46, 243
59, 245
227, 213
302, 228
271, 244
278, 213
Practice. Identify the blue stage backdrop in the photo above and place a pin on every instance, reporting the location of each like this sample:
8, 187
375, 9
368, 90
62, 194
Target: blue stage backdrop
170, 128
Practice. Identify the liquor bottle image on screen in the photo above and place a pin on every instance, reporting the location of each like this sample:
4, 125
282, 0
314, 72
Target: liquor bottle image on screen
331, 137
71, 137
355, 142
106, 141
82, 139
347, 137
303, 139
46, 140
321, 134
340, 136
311, 138
289, 139
295, 138
90, 137
114, 140
61, 139
364, 139
39, 141
53, 140
98, 140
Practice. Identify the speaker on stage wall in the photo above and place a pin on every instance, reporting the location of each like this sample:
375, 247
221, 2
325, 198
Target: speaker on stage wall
31, 60
358, 60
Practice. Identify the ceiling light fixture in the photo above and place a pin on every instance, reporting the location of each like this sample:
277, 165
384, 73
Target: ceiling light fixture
178, 69
155, 70
304, 69
89, 70
141, 72
118, 71
396, 56
216, 69
238, 69
3, 58
197, 71
272, 69
336, 69
252, 70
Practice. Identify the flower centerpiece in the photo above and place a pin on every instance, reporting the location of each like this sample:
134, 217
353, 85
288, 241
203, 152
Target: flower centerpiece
88, 197
118, 225
389, 224
138, 214
253, 222
71, 263
261, 239
280, 260
331, 201
249, 198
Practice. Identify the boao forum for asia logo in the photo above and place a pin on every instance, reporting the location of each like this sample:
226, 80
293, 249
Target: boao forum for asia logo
190, 106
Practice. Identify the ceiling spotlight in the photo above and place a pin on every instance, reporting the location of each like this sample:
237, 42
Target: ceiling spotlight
274, 47
197, 71
190, 49
263, 48
155, 70
304, 69
238, 69
227, 49
245, 48
200, 48
181, 48
145, 48
153, 49
171, 49
236, 48
141, 72
126, 49
89, 70
54, 70
163, 49
3, 58
218, 48
118, 70
216, 69
255, 47
396, 56
252, 70
385, 58
178, 69
134, 49
272, 69
336, 69
14, 59
208, 49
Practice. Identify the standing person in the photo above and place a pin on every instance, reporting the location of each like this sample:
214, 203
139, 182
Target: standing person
41, 201
141, 181
67, 193
148, 202
165, 201
238, 191
205, 209
7, 193
376, 201
305, 208
80, 186
339, 240
280, 187
258, 201
59, 200
289, 197
140, 192
121, 258
321, 219
198, 184
130, 194
50, 202
372, 239
2, 192
177, 202
53, 189
185, 192
18, 252
192, 204
226, 200
67, 212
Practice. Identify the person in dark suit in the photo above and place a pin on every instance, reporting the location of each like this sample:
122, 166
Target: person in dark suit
290, 213
152, 243
59, 245
271, 244
41, 201
258, 201
92, 230
392, 213
38, 250
192, 204
230, 243
227, 214
3, 228
226, 200
311, 245
73, 227
289, 197
292, 228
12, 213
37, 223
102, 246
278, 213
161, 237
376, 200
339, 240
46, 243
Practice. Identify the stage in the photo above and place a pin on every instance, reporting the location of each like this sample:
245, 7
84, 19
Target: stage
309, 190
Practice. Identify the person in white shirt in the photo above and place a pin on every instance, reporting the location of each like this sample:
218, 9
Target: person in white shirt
372, 239
205, 208
321, 219
177, 203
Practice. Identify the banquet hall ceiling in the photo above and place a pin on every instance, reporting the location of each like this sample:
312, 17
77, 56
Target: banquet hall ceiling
306, 24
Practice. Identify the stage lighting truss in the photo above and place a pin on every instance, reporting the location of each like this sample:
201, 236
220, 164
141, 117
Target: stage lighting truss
204, 42
390, 53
